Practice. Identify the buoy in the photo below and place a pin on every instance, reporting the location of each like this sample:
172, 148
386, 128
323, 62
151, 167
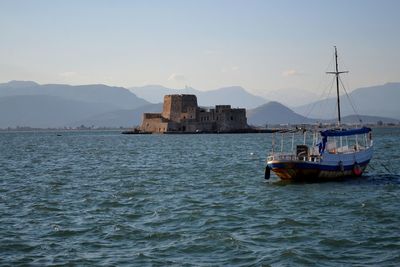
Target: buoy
357, 169
267, 173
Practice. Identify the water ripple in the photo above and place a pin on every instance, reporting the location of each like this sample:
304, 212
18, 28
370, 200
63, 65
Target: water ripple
101, 198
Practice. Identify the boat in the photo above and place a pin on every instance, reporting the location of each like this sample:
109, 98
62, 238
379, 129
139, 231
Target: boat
334, 153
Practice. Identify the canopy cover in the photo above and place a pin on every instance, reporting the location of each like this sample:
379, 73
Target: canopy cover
345, 132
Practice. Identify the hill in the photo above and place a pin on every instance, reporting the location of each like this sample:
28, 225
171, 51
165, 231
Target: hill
235, 96
118, 97
274, 113
118, 118
44, 111
155, 93
26, 103
291, 97
381, 101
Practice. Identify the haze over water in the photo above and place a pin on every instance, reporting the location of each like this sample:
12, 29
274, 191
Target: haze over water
102, 198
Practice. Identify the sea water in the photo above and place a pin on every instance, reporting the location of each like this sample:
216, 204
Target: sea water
102, 198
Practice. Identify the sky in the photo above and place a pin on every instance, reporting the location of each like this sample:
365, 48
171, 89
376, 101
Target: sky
261, 45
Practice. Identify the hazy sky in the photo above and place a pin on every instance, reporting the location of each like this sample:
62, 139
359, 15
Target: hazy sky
260, 45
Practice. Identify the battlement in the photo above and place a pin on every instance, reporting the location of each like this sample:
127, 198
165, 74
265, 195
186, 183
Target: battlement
220, 108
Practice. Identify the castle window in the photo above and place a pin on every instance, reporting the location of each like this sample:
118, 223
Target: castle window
231, 118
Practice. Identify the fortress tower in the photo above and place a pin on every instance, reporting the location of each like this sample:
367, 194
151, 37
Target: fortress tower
178, 108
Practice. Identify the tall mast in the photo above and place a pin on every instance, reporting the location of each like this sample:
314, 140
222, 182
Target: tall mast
337, 72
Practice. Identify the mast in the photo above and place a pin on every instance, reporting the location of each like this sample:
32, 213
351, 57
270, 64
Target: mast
337, 72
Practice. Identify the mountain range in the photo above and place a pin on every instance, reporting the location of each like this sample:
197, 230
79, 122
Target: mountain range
235, 96
114, 97
26, 103
276, 113
118, 118
380, 100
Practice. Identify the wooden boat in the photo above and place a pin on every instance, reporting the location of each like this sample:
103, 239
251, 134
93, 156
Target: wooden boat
334, 153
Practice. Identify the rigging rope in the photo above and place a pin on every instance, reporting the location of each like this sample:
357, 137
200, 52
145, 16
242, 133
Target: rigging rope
350, 101
330, 86
322, 96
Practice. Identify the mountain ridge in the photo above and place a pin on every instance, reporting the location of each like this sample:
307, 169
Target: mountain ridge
377, 100
44, 111
26, 103
236, 96
93, 93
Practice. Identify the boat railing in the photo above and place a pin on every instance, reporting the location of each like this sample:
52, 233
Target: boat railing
292, 156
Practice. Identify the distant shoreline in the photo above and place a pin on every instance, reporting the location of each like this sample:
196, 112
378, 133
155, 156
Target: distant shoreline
273, 128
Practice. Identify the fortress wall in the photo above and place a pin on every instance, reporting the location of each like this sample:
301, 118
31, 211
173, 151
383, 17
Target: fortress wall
205, 117
153, 122
200, 127
155, 127
232, 119
151, 116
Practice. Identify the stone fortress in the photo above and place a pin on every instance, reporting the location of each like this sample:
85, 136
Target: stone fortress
181, 114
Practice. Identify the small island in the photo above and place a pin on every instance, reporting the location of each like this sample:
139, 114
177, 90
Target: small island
181, 114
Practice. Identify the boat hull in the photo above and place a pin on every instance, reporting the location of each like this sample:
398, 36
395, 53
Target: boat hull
300, 170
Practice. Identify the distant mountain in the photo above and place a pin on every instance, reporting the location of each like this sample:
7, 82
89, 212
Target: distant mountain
274, 113
118, 118
291, 97
43, 111
19, 84
381, 100
235, 96
118, 97
26, 103
155, 93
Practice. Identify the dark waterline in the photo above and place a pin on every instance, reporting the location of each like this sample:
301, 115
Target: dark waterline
102, 198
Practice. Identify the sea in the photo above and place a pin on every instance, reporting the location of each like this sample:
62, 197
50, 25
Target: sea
101, 198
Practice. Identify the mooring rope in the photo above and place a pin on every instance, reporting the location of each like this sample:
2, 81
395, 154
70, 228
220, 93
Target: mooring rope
384, 165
